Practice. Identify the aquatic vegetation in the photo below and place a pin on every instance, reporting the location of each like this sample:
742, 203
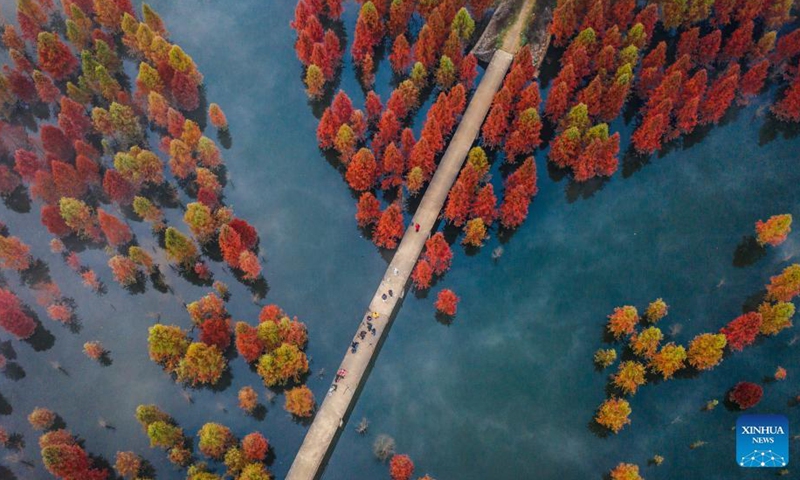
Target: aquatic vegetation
383, 447
746, 395
300, 401
774, 231
401, 467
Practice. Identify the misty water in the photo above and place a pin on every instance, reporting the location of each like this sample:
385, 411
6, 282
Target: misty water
508, 390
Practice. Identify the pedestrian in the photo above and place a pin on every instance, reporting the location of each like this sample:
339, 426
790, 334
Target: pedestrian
391, 293
383, 297
416, 227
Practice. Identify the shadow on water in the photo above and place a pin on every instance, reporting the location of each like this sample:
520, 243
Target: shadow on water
772, 128
42, 339
14, 371
584, 190
7, 474
752, 302
748, 252
18, 201
5, 407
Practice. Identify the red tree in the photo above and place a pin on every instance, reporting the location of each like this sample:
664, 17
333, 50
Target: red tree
52, 220
116, 232
368, 210
400, 58
117, 188
390, 227
753, 81
742, 331
73, 119
362, 171
438, 253
447, 302
216, 331
56, 143
401, 467
746, 395
394, 166
739, 43
67, 181
12, 318
720, 95
788, 107
55, 57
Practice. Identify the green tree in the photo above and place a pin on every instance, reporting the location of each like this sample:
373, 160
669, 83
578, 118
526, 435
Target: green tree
287, 362
202, 364
215, 439
167, 345
179, 247
463, 24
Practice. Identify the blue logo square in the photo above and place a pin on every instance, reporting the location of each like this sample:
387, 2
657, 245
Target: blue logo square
762, 441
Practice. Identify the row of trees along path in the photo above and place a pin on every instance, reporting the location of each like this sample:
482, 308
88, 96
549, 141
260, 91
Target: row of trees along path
335, 409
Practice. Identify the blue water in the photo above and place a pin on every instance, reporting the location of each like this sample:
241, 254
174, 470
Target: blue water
508, 390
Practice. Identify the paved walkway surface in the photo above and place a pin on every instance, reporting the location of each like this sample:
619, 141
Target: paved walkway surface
513, 37
333, 414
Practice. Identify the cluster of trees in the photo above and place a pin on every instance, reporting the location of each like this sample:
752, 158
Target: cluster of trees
434, 261
513, 125
93, 163
318, 48
717, 52
164, 433
276, 346
243, 459
704, 352
65, 458
376, 146
13, 317
15, 256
